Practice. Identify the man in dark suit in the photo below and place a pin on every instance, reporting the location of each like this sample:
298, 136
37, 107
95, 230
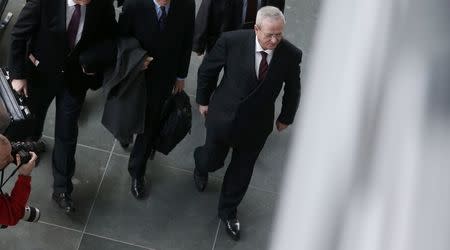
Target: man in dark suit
46, 43
217, 16
240, 111
164, 29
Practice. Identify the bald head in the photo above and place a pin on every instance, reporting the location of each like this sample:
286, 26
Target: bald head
5, 152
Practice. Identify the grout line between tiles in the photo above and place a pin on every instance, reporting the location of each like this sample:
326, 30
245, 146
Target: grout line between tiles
121, 155
119, 241
59, 226
217, 235
81, 145
96, 194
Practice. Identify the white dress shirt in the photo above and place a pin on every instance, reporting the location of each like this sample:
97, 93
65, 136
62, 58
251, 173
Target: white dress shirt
158, 9
258, 56
69, 12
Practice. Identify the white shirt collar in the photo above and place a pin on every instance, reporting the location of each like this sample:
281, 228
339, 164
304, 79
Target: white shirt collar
259, 48
70, 3
159, 6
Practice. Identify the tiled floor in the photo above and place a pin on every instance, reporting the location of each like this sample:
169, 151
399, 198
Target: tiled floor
175, 215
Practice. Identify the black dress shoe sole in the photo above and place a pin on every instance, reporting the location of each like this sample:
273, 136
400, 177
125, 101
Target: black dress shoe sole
200, 181
138, 197
235, 237
234, 234
67, 209
138, 193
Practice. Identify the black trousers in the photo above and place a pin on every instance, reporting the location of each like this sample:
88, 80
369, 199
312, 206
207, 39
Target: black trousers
144, 142
68, 108
211, 156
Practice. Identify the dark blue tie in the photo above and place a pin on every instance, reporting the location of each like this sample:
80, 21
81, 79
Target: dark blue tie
163, 18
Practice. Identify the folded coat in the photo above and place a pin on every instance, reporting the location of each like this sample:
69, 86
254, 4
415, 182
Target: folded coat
125, 89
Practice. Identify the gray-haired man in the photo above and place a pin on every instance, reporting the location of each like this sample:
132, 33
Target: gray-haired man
240, 114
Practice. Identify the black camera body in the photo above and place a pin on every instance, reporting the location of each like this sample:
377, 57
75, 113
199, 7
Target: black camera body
23, 149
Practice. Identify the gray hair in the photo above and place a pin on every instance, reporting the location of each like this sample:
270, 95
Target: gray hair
270, 12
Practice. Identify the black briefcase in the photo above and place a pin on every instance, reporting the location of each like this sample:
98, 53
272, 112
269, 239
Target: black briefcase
176, 122
16, 120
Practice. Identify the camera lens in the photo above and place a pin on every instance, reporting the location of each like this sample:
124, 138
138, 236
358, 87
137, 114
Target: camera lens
32, 214
34, 146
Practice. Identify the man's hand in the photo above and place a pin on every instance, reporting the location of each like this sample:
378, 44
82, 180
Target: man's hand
147, 61
20, 86
26, 168
179, 86
203, 110
281, 126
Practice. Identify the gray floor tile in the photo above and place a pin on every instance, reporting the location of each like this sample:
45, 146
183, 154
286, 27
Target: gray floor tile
38, 236
89, 170
91, 242
174, 216
255, 214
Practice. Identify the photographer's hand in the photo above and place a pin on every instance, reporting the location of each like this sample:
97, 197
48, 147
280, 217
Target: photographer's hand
26, 168
20, 86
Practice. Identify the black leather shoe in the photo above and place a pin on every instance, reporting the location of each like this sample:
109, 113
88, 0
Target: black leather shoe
200, 180
138, 187
233, 228
64, 201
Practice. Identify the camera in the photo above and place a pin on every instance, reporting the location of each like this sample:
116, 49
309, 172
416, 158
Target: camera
31, 214
23, 149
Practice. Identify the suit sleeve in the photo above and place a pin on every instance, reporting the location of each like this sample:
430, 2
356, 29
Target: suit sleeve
185, 56
110, 20
292, 92
201, 26
126, 19
27, 24
209, 70
12, 208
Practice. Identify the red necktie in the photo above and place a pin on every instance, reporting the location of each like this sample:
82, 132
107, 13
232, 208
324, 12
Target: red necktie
263, 66
72, 29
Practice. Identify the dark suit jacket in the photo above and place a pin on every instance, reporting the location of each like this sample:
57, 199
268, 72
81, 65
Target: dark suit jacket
171, 49
217, 16
41, 30
241, 108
